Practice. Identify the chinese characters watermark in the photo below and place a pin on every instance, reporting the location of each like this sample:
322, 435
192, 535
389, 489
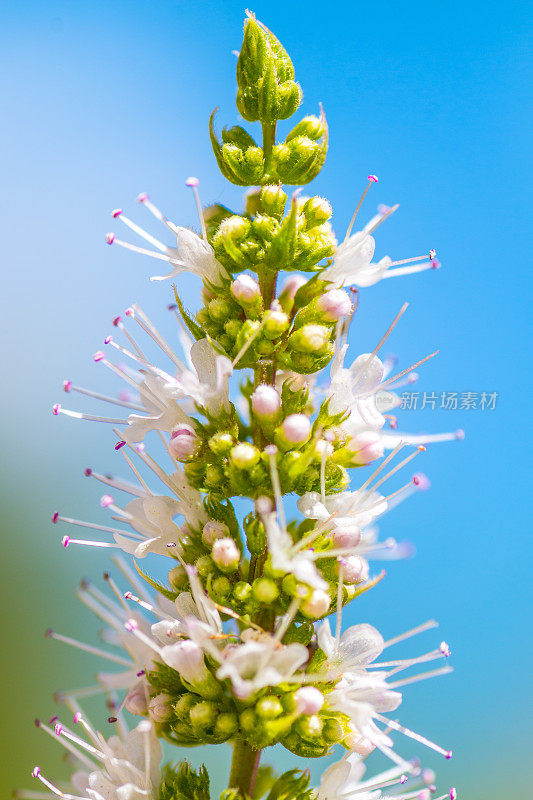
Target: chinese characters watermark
449, 401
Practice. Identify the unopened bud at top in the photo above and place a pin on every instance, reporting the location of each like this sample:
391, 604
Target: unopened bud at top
334, 305
296, 428
266, 401
245, 289
317, 210
244, 455
273, 200
183, 442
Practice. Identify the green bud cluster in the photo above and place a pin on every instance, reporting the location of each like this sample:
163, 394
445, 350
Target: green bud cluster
267, 93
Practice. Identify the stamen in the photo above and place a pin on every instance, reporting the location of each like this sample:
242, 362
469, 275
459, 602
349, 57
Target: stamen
61, 730
116, 591
130, 576
382, 341
248, 342
416, 736
193, 183
154, 334
371, 179
139, 231
80, 755
68, 386
67, 541
117, 483
287, 618
87, 648
426, 626
36, 773
57, 409
145, 200
385, 216
422, 677
406, 370
81, 524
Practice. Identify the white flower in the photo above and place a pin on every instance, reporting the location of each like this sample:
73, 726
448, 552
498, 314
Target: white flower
351, 262
152, 517
345, 780
353, 510
191, 253
255, 664
121, 768
286, 557
357, 390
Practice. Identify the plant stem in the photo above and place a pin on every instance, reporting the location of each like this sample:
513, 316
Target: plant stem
269, 140
244, 767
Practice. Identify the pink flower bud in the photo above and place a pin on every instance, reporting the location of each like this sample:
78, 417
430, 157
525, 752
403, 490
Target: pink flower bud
266, 401
213, 530
296, 428
354, 569
317, 604
309, 700
136, 701
346, 536
264, 505
334, 304
225, 553
292, 284
245, 289
160, 708
183, 442
366, 447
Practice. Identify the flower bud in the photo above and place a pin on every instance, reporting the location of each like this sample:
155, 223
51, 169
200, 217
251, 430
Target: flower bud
183, 705
296, 428
269, 707
346, 536
266, 402
316, 605
333, 731
354, 569
334, 305
160, 708
177, 577
241, 591
221, 587
365, 447
220, 443
136, 701
203, 714
265, 590
310, 338
183, 442
308, 700
273, 200
225, 554
311, 126
205, 566
276, 323
212, 530
226, 724
187, 658
317, 210
310, 727
244, 455
245, 289
219, 309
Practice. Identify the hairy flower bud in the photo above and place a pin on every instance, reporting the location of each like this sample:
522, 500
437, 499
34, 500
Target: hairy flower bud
316, 210
308, 700
296, 428
354, 569
244, 455
177, 577
203, 714
212, 530
276, 322
160, 708
183, 442
316, 605
245, 290
266, 402
334, 305
225, 554
365, 447
265, 590
269, 707
273, 200
310, 339
136, 701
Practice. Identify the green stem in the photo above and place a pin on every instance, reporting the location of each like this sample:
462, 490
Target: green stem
244, 767
269, 140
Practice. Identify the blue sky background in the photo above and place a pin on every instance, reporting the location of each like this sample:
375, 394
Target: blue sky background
101, 101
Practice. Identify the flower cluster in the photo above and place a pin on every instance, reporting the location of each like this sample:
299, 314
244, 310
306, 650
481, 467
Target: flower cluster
236, 644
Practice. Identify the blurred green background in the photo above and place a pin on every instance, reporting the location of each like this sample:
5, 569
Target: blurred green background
101, 101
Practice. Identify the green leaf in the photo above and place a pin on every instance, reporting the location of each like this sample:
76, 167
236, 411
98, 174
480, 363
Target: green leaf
197, 331
181, 782
168, 593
